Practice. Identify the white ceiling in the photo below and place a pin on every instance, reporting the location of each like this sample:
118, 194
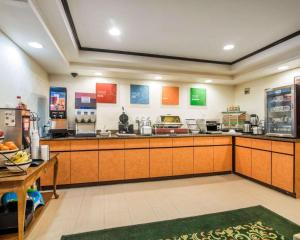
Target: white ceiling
191, 28
157, 26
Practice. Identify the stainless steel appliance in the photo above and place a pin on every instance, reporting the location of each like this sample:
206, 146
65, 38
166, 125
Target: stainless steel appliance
16, 126
124, 126
281, 112
247, 127
85, 120
58, 127
254, 120
144, 126
212, 127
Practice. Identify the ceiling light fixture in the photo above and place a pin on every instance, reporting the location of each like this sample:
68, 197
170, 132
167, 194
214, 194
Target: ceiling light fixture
114, 31
282, 68
98, 74
35, 45
208, 81
228, 47
158, 77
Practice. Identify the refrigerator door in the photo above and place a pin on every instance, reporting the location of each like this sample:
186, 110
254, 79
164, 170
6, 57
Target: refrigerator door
280, 111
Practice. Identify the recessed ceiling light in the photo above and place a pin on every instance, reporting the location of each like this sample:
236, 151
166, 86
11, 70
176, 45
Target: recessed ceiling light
228, 47
114, 31
282, 68
208, 81
35, 45
98, 73
158, 77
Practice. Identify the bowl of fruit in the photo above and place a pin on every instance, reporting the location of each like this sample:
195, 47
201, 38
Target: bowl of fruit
19, 162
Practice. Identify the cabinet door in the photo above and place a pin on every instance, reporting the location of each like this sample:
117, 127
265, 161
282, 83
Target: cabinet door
261, 166
243, 162
222, 158
283, 171
63, 175
203, 159
161, 162
136, 163
183, 160
111, 165
84, 166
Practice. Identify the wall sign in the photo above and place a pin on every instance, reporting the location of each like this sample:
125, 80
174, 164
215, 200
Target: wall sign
198, 96
85, 100
106, 92
139, 94
170, 95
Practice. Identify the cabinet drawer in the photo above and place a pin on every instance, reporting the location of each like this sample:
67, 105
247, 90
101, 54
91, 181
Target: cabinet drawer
222, 140
160, 142
261, 144
84, 145
203, 141
137, 143
60, 145
111, 144
244, 142
283, 147
183, 141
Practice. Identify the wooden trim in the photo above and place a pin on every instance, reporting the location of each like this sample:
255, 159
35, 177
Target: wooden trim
143, 54
265, 150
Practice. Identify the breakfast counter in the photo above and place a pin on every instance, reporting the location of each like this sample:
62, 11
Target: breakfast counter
271, 161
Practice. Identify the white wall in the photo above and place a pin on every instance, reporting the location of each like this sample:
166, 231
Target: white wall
254, 102
21, 76
218, 98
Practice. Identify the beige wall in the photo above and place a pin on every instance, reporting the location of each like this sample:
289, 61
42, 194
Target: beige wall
218, 97
254, 102
21, 76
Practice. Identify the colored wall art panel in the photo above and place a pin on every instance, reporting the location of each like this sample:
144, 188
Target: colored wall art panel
198, 96
139, 94
106, 92
170, 95
85, 100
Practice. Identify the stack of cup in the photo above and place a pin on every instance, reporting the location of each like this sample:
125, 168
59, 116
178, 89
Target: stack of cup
45, 152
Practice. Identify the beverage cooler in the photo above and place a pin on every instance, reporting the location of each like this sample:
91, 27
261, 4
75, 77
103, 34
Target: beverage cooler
281, 113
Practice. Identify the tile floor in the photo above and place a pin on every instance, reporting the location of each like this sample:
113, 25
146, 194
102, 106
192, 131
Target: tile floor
93, 208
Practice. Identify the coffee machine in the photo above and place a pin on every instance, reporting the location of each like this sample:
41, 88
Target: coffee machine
16, 126
124, 126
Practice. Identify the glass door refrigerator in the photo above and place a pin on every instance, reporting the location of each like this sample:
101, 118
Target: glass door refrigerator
281, 111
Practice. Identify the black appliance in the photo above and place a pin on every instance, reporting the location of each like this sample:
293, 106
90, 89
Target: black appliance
124, 126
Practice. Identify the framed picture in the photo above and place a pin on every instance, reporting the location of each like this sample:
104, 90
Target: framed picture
139, 94
198, 96
170, 95
106, 93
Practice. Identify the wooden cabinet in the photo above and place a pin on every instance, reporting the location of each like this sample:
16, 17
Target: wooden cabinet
283, 171
243, 162
161, 162
244, 142
183, 141
203, 141
84, 167
223, 140
84, 145
183, 160
63, 175
283, 147
222, 158
57, 145
136, 163
111, 165
111, 144
137, 143
203, 159
261, 166
261, 144
161, 142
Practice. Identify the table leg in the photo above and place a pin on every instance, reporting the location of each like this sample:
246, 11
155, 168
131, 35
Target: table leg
21, 193
55, 169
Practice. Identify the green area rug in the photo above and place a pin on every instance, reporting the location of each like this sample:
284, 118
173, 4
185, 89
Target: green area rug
256, 223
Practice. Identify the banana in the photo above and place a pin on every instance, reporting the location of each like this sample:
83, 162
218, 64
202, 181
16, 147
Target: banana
20, 157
